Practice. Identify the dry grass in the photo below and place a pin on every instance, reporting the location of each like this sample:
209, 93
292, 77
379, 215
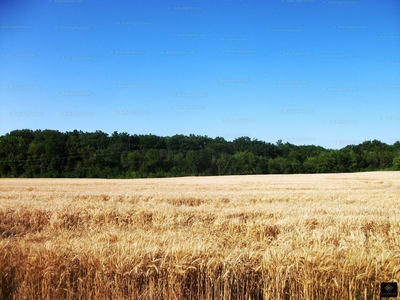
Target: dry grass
326, 236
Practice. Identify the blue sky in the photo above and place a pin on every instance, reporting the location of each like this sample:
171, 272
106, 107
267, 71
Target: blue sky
320, 72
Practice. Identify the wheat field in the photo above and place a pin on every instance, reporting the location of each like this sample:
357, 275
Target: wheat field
319, 236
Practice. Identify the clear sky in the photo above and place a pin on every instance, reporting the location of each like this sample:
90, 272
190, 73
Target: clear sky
323, 72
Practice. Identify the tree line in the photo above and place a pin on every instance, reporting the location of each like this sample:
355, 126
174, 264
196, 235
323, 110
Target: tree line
77, 154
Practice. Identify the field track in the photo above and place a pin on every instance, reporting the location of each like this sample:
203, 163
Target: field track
319, 236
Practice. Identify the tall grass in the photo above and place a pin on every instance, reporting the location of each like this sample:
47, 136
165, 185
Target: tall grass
332, 236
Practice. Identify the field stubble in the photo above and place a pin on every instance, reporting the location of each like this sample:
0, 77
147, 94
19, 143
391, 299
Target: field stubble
325, 236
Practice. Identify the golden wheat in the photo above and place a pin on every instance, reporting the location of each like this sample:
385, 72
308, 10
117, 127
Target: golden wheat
325, 236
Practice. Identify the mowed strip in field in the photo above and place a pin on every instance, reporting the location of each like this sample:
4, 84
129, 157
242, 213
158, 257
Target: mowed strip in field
320, 236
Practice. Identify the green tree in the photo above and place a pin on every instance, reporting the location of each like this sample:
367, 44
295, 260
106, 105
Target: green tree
244, 162
278, 165
192, 162
177, 165
130, 162
396, 163
12, 156
223, 163
49, 153
241, 144
207, 162
47, 156
151, 162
